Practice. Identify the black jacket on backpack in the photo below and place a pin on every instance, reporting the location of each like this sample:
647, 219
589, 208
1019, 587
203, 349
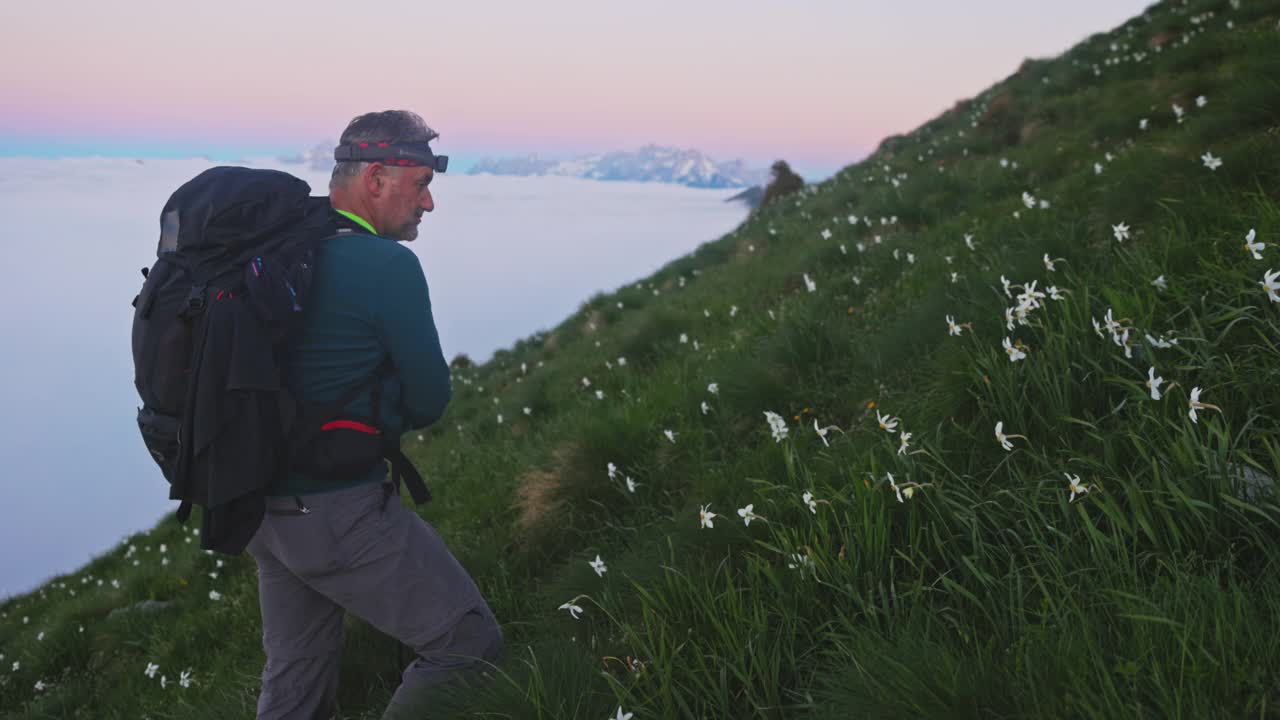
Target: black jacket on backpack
210, 327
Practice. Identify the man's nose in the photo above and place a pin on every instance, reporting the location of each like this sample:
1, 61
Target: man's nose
428, 203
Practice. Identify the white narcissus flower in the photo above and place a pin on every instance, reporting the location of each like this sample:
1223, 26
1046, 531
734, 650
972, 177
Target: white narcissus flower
586, 382
807, 499
1049, 263
1253, 247
185, 678
901, 491
705, 407
1270, 285
631, 484
826, 234
1202, 101
905, 438
1160, 283
887, 422
810, 284
799, 561
574, 610
528, 410
621, 715
1211, 162
40, 686
598, 566
1195, 405
705, 516
1121, 232
968, 241
1153, 383
1005, 282
1056, 294
1142, 124
777, 425
1015, 354
1073, 483
151, 670
684, 339
671, 435
713, 388
747, 515
822, 431
1004, 439
613, 471
214, 595
952, 327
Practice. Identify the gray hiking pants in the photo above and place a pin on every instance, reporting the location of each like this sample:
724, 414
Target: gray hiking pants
360, 550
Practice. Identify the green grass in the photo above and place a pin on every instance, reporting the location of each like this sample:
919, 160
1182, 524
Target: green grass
990, 592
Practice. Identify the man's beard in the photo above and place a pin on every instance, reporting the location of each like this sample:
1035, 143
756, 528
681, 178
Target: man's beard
407, 232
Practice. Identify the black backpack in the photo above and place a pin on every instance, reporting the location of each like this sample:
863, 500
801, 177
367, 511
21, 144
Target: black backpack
211, 325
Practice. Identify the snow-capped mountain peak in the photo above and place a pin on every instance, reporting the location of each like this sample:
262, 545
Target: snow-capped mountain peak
651, 163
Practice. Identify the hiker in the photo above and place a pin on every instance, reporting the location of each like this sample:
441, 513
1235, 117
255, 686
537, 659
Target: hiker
327, 548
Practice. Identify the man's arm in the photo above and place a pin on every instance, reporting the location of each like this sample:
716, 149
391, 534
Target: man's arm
408, 330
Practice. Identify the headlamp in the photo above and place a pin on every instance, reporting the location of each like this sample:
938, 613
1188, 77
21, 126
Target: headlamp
392, 154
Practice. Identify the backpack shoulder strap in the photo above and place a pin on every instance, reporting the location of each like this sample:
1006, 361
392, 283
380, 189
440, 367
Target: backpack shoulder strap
402, 470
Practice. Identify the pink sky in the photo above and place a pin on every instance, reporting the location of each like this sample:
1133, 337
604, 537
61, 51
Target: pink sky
815, 82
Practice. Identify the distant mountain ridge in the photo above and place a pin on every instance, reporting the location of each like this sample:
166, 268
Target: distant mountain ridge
318, 157
651, 163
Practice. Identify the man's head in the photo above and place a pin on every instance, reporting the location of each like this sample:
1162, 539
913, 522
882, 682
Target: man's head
391, 198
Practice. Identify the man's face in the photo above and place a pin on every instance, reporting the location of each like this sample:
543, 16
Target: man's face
407, 197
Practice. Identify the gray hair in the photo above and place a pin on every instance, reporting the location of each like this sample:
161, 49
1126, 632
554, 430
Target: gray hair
386, 126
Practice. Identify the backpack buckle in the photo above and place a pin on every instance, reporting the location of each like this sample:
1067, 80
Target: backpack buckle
195, 299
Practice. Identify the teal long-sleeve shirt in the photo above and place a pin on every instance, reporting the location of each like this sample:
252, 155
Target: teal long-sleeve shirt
369, 300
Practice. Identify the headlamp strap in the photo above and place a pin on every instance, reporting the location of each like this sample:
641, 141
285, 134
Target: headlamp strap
393, 154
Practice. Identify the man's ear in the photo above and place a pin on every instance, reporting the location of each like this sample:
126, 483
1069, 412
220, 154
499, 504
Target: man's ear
375, 179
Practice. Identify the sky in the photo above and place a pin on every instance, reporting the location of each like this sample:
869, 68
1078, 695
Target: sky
815, 82
77, 478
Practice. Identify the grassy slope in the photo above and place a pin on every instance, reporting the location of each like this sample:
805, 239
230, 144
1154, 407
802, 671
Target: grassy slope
987, 593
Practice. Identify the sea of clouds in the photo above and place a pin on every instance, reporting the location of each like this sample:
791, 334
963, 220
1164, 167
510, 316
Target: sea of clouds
504, 257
